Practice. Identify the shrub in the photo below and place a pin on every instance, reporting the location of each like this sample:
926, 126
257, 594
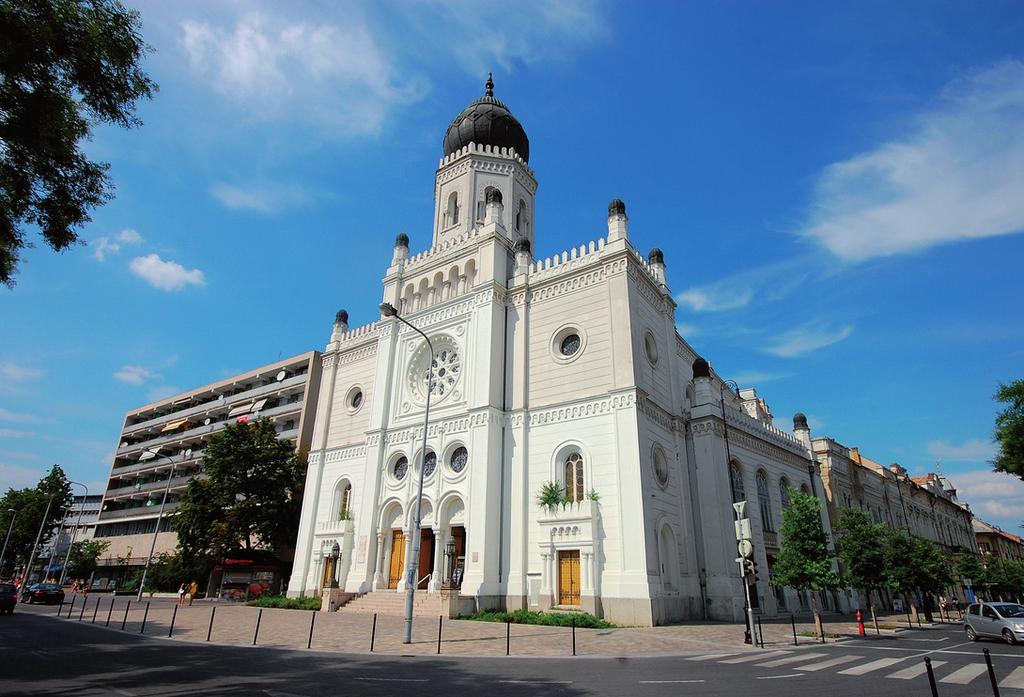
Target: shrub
285, 603
550, 495
554, 619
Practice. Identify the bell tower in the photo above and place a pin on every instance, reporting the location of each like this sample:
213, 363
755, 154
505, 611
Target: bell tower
485, 148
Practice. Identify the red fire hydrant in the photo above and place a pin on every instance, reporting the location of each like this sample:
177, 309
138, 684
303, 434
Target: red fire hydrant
860, 624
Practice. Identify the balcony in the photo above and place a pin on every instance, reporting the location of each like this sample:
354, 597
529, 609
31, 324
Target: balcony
333, 528
771, 539
137, 512
176, 483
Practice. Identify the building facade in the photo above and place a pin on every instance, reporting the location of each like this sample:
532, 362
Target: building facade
996, 543
161, 448
561, 374
78, 525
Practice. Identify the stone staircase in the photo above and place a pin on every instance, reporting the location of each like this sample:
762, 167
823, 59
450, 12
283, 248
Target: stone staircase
390, 602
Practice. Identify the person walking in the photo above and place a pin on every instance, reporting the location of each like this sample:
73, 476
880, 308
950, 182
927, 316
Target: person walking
181, 594
193, 588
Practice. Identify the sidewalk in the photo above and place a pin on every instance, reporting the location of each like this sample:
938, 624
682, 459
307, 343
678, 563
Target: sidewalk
350, 632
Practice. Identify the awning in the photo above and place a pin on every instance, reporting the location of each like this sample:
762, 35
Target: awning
243, 409
259, 404
173, 425
148, 455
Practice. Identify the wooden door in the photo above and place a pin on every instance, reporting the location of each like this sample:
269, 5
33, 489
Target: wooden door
426, 563
569, 577
397, 558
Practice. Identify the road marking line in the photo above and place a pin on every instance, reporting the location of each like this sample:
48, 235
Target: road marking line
392, 679
666, 682
913, 671
1014, 679
756, 656
869, 667
710, 656
965, 674
535, 682
776, 677
939, 639
829, 663
790, 659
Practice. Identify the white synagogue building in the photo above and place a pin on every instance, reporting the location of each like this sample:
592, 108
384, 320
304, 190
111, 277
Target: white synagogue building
566, 370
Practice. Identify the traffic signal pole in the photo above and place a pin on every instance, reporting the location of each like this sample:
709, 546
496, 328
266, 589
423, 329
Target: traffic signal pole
750, 610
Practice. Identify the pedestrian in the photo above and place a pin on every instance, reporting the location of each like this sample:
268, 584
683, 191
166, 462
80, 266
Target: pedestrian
193, 588
85, 590
181, 594
74, 587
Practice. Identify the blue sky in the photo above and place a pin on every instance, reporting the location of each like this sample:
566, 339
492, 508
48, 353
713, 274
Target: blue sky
837, 189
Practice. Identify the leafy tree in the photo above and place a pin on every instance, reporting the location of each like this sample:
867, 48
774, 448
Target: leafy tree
250, 498
30, 506
1009, 431
82, 560
65, 66
804, 561
861, 547
169, 571
914, 564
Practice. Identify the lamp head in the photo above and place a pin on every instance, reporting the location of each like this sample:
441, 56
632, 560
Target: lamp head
388, 310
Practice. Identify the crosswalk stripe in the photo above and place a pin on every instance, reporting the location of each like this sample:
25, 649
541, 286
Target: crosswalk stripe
913, 671
790, 659
755, 657
709, 657
868, 667
829, 663
965, 674
1014, 679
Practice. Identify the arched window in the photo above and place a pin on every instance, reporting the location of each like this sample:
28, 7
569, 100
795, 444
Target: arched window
736, 483
345, 501
804, 489
668, 555
521, 217
784, 492
763, 502
574, 477
452, 212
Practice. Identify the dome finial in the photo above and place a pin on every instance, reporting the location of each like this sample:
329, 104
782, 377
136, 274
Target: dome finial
490, 86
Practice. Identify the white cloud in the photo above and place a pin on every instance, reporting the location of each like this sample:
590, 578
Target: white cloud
768, 283
994, 496
11, 433
134, 374
957, 174
17, 477
715, 298
18, 373
973, 450
105, 246
750, 378
165, 275
262, 199
805, 339
8, 415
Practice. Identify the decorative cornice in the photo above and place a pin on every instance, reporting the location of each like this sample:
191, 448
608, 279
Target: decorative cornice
571, 412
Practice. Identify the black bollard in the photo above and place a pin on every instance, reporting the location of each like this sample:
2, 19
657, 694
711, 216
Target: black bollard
931, 676
508, 636
60, 608
72, 608
81, 612
209, 631
373, 631
145, 615
440, 619
126, 608
822, 630
110, 611
95, 610
312, 621
257, 632
910, 622
760, 630
792, 621
573, 636
174, 616
991, 673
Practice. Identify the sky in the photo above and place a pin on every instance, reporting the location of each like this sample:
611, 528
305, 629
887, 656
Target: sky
838, 189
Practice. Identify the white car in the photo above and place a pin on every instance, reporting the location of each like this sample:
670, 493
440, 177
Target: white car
996, 620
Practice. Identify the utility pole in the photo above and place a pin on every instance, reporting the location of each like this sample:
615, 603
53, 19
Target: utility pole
745, 547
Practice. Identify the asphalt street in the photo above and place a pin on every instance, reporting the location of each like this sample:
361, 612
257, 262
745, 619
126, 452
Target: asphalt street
42, 655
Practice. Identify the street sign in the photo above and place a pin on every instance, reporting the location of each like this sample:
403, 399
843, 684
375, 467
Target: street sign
745, 548
743, 529
741, 509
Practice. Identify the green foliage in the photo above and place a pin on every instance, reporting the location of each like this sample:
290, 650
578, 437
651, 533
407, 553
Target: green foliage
861, 547
1009, 432
285, 603
168, 571
251, 496
65, 66
1001, 577
550, 495
82, 560
804, 561
345, 515
554, 619
30, 506
968, 566
914, 563
593, 495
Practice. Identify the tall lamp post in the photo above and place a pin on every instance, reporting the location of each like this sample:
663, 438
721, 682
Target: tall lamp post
14, 514
388, 310
32, 557
74, 531
156, 529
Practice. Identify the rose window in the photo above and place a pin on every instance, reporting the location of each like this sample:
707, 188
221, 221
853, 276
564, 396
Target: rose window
459, 459
400, 468
429, 464
444, 371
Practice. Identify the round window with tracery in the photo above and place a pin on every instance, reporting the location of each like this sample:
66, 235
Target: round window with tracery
460, 458
444, 370
570, 345
429, 464
660, 466
400, 468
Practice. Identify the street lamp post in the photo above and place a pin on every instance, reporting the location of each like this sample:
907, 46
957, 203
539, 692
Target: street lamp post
74, 531
156, 529
3, 554
32, 557
388, 310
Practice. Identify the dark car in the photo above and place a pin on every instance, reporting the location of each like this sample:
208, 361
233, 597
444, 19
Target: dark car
8, 598
43, 593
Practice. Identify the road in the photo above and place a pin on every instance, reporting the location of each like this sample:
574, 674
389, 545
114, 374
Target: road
41, 655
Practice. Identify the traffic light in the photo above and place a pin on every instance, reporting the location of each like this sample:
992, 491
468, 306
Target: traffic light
750, 569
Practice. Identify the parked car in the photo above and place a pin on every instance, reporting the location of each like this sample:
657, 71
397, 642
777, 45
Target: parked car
43, 593
8, 598
995, 620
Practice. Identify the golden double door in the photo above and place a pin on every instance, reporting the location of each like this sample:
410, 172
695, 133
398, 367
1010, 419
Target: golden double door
397, 558
569, 577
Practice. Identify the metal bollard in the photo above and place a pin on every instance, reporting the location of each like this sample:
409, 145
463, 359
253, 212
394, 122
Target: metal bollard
81, 613
95, 610
991, 673
257, 632
508, 636
573, 636
440, 620
60, 608
72, 608
145, 615
822, 631
312, 621
760, 630
931, 676
110, 611
792, 622
126, 608
213, 611
174, 616
373, 631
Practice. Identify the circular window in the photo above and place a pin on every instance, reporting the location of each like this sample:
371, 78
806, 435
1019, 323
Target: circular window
429, 463
459, 459
400, 467
660, 466
568, 343
443, 371
354, 399
651, 347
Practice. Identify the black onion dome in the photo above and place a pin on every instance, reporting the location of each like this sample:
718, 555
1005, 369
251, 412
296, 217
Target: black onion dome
701, 368
487, 121
522, 245
341, 317
799, 421
656, 256
616, 207
494, 195
402, 240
